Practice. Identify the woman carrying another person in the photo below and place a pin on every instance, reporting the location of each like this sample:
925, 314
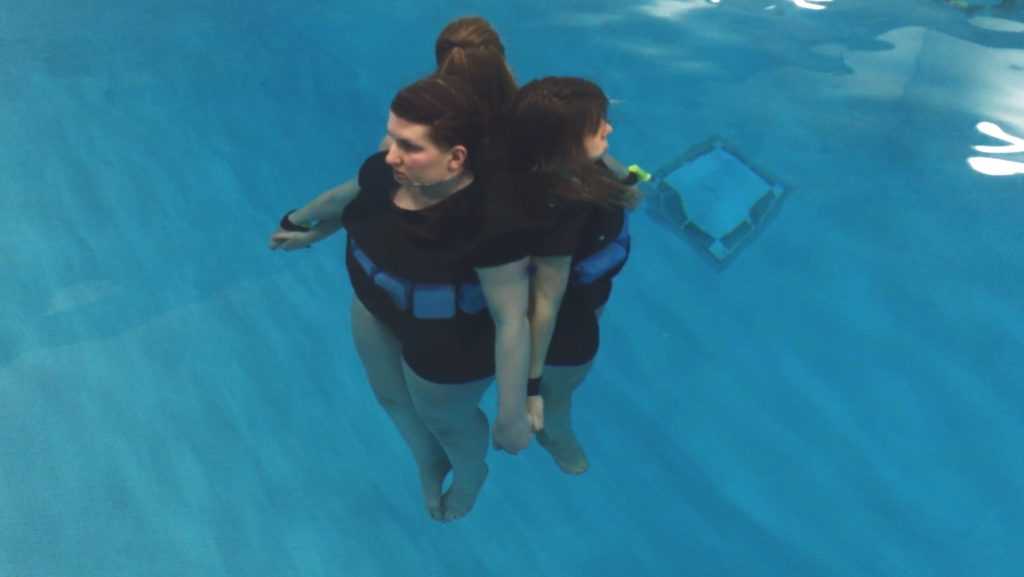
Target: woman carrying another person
557, 138
440, 310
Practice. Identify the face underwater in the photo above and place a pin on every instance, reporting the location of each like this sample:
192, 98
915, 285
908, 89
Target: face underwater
414, 158
597, 144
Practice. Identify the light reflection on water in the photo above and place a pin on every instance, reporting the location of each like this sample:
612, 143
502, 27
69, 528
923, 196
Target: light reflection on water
997, 166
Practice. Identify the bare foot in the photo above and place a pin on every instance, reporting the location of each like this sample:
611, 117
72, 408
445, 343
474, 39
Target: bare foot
567, 453
461, 496
431, 481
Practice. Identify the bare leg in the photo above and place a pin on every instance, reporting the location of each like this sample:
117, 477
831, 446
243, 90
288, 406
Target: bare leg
381, 354
557, 436
452, 413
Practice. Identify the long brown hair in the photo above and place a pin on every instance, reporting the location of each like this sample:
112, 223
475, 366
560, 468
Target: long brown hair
471, 49
449, 107
467, 32
547, 124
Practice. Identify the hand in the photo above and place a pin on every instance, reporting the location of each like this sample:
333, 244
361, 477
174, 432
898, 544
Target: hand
535, 412
512, 434
291, 240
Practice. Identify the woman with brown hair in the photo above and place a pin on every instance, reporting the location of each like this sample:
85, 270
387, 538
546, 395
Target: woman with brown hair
468, 48
439, 309
557, 144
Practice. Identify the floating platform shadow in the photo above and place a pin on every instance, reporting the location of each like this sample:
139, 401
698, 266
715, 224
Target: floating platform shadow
715, 197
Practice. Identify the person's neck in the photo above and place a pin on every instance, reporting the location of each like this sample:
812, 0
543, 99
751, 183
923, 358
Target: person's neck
429, 194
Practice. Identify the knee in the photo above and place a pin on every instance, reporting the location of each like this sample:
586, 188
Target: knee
438, 425
451, 426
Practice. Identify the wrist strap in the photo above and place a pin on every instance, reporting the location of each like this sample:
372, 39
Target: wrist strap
290, 226
533, 387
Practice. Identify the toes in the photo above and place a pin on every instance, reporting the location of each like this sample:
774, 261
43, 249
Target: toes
579, 469
435, 511
568, 455
571, 469
453, 506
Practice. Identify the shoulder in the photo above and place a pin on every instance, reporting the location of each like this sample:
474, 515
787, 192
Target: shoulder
375, 172
375, 180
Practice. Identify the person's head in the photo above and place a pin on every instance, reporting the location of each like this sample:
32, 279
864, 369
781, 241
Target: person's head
472, 50
558, 126
557, 123
466, 33
436, 129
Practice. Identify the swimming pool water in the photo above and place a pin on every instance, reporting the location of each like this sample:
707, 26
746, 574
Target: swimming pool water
842, 398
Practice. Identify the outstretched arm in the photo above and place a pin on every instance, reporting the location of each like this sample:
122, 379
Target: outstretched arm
322, 214
329, 205
613, 164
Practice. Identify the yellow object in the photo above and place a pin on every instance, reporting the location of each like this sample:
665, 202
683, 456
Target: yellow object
641, 174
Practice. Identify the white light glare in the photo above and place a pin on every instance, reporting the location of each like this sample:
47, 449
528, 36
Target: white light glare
811, 4
1015, 144
997, 166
